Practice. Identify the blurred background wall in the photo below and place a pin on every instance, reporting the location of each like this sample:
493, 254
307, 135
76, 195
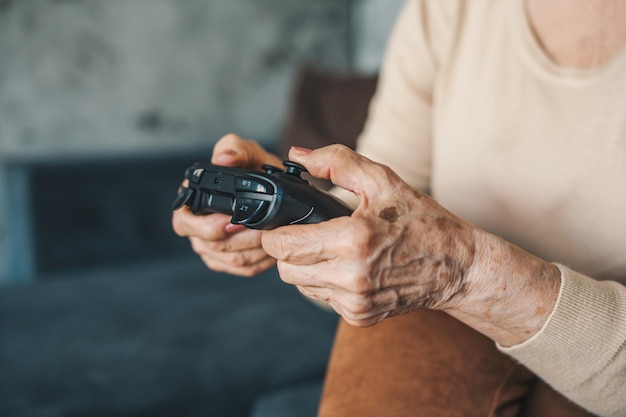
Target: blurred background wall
103, 103
87, 77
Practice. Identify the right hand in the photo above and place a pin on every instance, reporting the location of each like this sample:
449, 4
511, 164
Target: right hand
223, 246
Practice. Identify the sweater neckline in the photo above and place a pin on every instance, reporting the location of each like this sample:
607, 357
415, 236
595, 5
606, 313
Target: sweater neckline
535, 55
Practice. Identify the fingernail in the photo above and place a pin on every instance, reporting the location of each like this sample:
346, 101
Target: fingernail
224, 156
301, 151
233, 228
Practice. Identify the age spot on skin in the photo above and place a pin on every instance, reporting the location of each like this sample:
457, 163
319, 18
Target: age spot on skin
389, 214
445, 224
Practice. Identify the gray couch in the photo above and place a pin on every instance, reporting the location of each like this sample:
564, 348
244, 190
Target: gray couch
167, 341
114, 316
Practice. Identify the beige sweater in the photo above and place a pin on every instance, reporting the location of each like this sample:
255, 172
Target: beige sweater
470, 110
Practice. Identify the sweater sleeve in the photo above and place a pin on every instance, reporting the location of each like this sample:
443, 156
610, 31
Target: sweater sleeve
398, 129
581, 350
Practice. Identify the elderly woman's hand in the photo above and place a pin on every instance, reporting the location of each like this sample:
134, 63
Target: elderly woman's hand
399, 251
223, 246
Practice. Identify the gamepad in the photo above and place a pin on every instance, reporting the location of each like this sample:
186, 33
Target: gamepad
258, 200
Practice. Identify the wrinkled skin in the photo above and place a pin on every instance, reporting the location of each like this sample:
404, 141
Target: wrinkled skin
399, 251
223, 246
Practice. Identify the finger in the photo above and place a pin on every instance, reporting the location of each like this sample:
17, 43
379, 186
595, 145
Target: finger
352, 309
360, 295
234, 228
345, 168
308, 244
218, 265
232, 150
244, 241
208, 227
326, 275
237, 259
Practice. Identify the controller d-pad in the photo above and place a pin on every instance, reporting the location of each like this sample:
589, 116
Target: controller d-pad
249, 210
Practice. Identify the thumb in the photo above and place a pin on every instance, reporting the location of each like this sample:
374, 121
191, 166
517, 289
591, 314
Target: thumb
231, 150
344, 168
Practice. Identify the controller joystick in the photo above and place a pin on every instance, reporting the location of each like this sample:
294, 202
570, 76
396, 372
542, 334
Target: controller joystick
294, 168
258, 200
271, 169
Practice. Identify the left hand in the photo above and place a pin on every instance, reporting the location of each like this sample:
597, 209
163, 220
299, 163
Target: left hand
398, 252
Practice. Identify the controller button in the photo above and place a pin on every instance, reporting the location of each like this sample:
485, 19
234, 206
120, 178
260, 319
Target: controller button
182, 198
248, 210
271, 169
210, 203
246, 184
196, 175
216, 181
294, 168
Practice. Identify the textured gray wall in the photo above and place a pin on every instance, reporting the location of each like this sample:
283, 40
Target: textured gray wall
373, 20
90, 75
119, 73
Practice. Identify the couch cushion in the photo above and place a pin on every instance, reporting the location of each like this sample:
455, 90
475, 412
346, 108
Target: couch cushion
327, 108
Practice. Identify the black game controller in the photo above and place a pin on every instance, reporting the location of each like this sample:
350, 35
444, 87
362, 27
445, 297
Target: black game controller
258, 200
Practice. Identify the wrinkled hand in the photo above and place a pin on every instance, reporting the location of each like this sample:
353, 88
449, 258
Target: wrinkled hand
398, 252
223, 246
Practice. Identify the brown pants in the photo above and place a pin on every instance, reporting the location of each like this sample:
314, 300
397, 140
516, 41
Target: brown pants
429, 364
